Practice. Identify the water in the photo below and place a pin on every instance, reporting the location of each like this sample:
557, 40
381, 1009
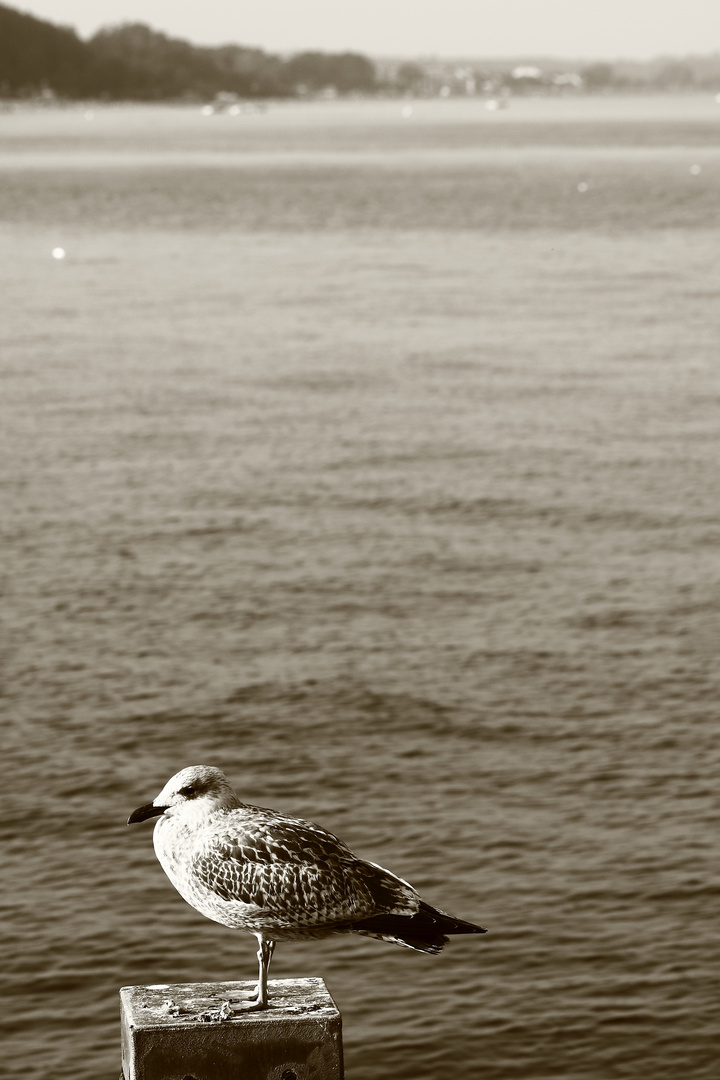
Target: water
412, 529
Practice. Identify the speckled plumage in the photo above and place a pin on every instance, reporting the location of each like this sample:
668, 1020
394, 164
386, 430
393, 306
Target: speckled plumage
278, 877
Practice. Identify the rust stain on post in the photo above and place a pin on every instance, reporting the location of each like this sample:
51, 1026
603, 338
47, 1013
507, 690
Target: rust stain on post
188, 1031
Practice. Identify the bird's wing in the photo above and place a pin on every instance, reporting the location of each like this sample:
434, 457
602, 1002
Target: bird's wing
290, 868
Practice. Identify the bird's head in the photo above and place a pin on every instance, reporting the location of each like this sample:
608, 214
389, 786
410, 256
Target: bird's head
199, 789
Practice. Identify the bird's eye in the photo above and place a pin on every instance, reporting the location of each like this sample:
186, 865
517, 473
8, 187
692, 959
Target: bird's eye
188, 791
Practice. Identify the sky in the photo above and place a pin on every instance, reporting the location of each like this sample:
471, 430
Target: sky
579, 29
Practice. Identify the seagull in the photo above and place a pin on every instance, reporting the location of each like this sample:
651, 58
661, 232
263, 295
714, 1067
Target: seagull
277, 877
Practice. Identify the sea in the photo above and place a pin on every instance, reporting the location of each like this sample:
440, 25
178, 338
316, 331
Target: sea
369, 453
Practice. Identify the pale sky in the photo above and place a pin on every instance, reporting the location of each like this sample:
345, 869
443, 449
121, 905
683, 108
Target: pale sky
580, 29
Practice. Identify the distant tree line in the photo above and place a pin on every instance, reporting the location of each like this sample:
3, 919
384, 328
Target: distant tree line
662, 73
137, 63
134, 62
524, 75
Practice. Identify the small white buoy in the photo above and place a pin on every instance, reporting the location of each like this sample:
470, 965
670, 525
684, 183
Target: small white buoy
58, 253
492, 104
407, 110
207, 110
582, 187
695, 170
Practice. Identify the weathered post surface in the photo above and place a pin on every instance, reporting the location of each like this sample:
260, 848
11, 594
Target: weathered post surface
185, 1031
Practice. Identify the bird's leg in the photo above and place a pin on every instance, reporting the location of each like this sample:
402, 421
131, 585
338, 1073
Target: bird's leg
265, 954
258, 998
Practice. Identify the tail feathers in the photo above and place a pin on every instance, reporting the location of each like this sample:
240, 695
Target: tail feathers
425, 931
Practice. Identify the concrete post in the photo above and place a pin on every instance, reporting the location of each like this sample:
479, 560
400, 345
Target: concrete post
184, 1031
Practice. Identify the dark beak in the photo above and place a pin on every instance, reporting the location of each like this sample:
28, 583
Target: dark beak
144, 812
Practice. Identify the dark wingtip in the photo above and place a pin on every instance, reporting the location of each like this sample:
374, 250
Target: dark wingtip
446, 924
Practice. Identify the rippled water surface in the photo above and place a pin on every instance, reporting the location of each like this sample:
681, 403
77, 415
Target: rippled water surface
387, 481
